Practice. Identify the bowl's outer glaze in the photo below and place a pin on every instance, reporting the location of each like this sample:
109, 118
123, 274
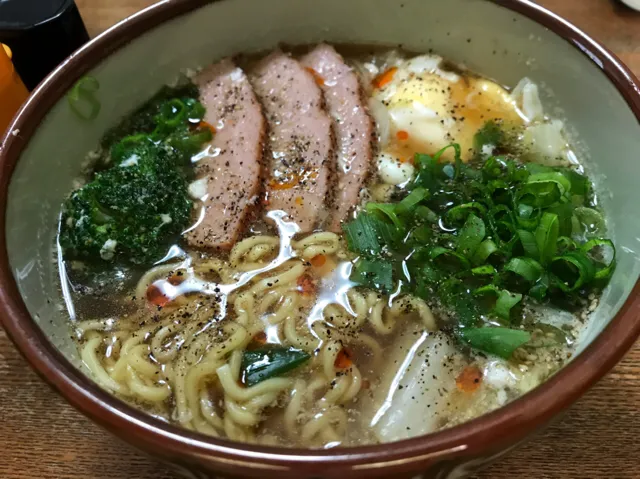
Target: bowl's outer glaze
505, 40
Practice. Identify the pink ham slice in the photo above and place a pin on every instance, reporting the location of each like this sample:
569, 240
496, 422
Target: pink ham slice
230, 166
299, 158
353, 128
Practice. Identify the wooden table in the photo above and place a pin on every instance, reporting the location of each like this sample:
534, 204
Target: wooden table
43, 437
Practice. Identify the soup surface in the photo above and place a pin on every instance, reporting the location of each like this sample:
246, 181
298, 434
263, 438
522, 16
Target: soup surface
321, 250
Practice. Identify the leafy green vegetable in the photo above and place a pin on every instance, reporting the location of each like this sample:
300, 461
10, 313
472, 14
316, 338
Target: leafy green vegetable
484, 251
132, 209
385, 210
411, 201
529, 269
529, 243
82, 98
604, 265
470, 236
590, 222
368, 234
505, 300
489, 135
269, 361
501, 342
572, 270
375, 274
547, 236
485, 238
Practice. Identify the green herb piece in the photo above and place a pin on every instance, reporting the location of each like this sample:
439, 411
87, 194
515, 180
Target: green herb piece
385, 210
572, 270
544, 189
501, 342
368, 234
547, 236
604, 266
451, 171
270, 361
470, 236
505, 300
82, 98
529, 243
486, 270
580, 184
458, 214
424, 213
484, 251
409, 202
490, 135
527, 268
375, 274
428, 172
449, 260
539, 290
527, 216
590, 222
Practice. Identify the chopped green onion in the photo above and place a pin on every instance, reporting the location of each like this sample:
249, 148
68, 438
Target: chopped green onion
572, 270
375, 274
566, 244
528, 217
580, 184
547, 236
544, 189
269, 361
529, 244
490, 135
458, 161
539, 290
412, 200
387, 210
82, 98
590, 221
459, 213
484, 250
607, 266
485, 270
448, 259
425, 213
494, 167
505, 300
471, 235
527, 268
367, 234
501, 342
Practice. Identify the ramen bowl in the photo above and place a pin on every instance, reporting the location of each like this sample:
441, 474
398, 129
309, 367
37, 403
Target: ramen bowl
505, 40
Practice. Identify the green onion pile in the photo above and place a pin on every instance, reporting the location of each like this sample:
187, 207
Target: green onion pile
483, 239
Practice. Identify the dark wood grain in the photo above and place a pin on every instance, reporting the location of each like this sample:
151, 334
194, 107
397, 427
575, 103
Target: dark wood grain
42, 437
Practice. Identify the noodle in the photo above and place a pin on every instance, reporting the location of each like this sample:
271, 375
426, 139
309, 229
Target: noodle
185, 359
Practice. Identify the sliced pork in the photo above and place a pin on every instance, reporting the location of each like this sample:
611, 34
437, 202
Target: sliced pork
353, 127
299, 157
228, 172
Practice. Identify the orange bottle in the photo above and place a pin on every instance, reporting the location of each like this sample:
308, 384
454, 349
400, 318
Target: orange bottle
12, 91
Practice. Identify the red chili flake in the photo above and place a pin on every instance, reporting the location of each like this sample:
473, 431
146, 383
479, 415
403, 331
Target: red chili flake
343, 359
469, 379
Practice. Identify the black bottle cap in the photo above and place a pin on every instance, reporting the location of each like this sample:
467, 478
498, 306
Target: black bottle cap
41, 33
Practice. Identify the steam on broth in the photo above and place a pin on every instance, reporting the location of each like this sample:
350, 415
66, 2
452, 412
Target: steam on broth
318, 250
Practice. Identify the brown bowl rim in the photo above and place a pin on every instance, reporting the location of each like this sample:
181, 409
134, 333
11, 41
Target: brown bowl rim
505, 426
